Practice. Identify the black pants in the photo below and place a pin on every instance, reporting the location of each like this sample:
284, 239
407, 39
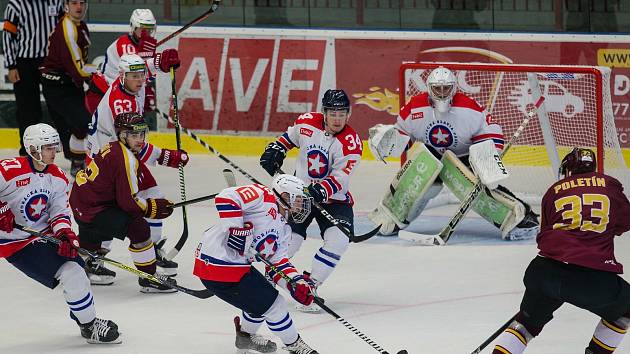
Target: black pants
341, 211
66, 105
112, 223
550, 283
29, 110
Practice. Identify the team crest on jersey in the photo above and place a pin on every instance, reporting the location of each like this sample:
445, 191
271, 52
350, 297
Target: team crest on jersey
35, 207
267, 244
441, 134
317, 164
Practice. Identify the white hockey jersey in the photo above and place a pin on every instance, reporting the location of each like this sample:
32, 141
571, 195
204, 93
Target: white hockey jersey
256, 204
39, 201
466, 123
324, 158
121, 46
101, 129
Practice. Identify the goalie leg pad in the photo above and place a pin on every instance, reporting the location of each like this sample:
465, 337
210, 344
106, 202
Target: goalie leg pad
409, 185
499, 208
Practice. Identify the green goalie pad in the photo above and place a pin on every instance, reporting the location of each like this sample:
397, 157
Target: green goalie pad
410, 184
499, 209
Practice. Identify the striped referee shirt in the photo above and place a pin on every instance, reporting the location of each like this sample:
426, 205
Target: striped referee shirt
27, 24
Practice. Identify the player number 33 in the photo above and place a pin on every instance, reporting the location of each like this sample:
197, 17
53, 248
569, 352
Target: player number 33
573, 214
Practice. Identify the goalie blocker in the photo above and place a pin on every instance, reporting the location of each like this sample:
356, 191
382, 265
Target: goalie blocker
417, 183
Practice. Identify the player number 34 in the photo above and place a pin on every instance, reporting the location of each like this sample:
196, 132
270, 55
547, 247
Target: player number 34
573, 214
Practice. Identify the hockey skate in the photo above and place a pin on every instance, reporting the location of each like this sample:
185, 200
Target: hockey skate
312, 308
166, 267
300, 347
101, 331
149, 287
254, 342
526, 229
98, 274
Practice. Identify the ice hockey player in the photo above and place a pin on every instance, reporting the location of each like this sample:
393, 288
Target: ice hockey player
106, 203
64, 71
581, 215
329, 152
34, 194
126, 95
141, 41
455, 133
253, 223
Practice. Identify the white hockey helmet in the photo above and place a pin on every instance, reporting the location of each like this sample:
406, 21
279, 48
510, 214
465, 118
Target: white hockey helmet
442, 86
131, 63
38, 135
290, 192
142, 18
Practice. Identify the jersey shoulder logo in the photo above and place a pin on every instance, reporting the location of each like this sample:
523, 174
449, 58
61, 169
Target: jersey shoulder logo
247, 194
306, 132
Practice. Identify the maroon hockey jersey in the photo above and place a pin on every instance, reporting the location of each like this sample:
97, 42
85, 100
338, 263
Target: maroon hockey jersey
111, 179
581, 215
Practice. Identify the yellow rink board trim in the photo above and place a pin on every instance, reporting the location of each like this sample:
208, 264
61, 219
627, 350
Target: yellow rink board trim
233, 145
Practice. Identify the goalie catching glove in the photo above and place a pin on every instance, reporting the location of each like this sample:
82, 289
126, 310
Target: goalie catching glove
386, 140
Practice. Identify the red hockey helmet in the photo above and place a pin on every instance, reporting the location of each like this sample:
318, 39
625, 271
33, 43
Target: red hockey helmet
130, 121
579, 160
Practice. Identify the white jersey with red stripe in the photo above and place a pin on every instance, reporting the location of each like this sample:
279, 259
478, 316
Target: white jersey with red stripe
465, 123
39, 201
121, 46
324, 158
254, 204
101, 130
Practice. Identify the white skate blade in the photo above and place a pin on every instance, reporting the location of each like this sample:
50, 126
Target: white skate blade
115, 341
312, 308
150, 290
421, 239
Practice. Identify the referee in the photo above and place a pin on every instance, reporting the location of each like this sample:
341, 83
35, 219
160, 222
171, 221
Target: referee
27, 24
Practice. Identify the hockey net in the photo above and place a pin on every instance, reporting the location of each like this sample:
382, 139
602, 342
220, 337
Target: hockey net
577, 112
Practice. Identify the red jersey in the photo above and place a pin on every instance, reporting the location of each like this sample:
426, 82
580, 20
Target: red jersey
581, 215
111, 179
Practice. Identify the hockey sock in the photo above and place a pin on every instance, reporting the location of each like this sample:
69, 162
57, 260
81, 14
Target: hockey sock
513, 340
144, 257
327, 257
279, 321
156, 229
250, 324
77, 292
294, 244
608, 335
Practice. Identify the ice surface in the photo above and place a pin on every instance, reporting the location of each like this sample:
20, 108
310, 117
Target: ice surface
423, 299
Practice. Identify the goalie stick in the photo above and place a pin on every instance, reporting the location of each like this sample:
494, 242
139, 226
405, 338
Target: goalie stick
441, 238
159, 279
320, 302
353, 238
213, 8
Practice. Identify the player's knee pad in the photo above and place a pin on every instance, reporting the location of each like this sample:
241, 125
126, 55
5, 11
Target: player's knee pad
409, 185
335, 241
295, 242
72, 276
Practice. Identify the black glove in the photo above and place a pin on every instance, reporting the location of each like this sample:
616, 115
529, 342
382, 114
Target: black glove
318, 192
273, 157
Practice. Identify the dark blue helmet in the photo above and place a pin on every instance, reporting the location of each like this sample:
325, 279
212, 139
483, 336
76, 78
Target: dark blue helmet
335, 100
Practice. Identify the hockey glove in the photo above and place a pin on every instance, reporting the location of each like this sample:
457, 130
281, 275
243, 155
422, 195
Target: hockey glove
69, 243
237, 237
273, 157
158, 208
167, 59
6, 218
301, 290
318, 192
146, 46
149, 98
172, 158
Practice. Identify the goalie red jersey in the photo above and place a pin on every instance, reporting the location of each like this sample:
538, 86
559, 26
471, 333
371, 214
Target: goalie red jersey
581, 215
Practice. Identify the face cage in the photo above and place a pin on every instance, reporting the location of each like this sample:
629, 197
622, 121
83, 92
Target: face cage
300, 208
441, 92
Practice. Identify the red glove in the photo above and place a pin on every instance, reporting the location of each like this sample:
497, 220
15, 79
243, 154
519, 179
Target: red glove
69, 243
146, 45
172, 158
6, 218
158, 208
301, 290
166, 60
149, 99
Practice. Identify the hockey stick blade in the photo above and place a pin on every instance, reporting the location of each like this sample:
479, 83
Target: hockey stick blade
196, 200
230, 180
421, 239
364, 237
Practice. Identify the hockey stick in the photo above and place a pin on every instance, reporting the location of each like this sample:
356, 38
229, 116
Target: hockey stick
444, 235
159, 279
320, 302
493, 336
230, 180
353, 238
213, 8
196, 200
182, 184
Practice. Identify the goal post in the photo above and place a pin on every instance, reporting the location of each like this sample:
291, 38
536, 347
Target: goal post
577, 112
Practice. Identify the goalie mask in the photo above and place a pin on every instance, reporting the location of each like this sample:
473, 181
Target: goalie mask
289, 191
579, 160
144, 19
37, 136
442, 86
